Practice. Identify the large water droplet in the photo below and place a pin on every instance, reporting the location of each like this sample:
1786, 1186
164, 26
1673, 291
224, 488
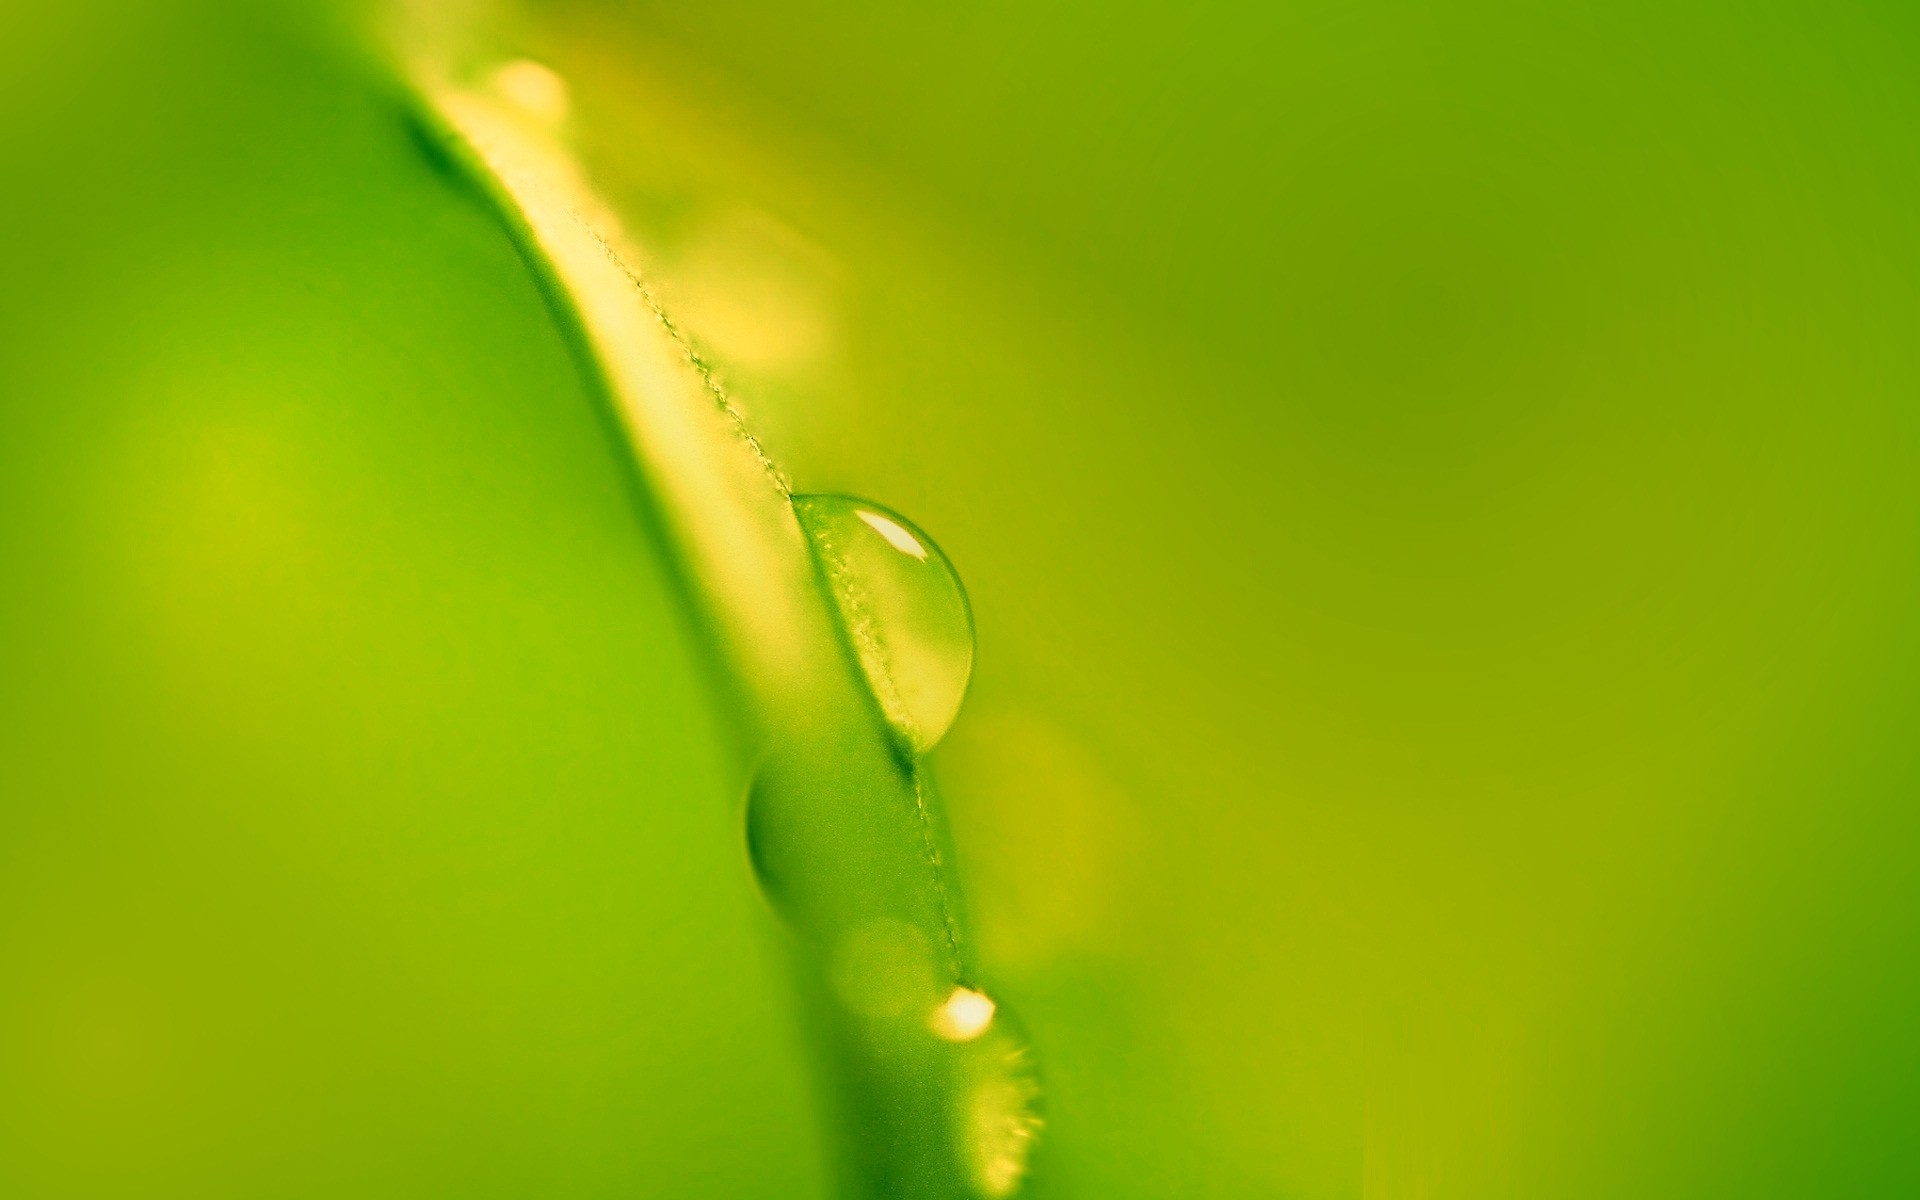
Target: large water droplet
903, 610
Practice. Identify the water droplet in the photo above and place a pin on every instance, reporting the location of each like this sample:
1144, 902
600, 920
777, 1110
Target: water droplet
535, 89
997, 1121
903, 610
964, 1015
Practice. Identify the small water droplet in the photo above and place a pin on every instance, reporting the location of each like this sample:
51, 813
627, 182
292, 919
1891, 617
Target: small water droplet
535, 89
997, 1120
903, 610
964, 1015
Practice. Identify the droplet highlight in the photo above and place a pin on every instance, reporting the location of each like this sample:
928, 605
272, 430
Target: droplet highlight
902, 608
964, 1015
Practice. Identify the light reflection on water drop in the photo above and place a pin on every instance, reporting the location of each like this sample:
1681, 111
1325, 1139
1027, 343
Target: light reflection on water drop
964, 1015
902, 607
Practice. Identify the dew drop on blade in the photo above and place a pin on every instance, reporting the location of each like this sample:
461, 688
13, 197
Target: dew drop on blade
533, 89
997, 1120
903, 610
964, 1015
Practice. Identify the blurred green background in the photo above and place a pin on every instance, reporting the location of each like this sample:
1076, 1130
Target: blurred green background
1435, 482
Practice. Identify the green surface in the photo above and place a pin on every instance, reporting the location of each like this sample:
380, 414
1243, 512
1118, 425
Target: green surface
1436, 488
1435, 485
367, 822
